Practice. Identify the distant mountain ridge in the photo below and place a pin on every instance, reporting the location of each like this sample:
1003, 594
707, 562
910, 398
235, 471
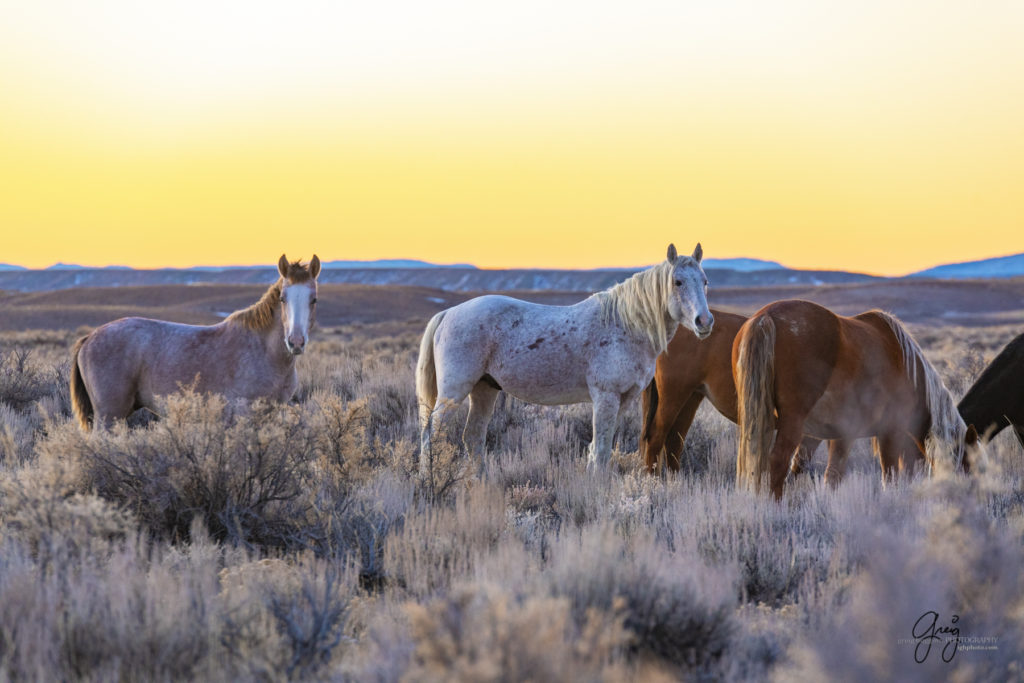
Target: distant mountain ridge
449, 279
1002, 266
378, 263
746, 265
739, 272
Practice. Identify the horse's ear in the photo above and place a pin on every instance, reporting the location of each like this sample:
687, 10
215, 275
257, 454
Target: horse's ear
282, 265
971, 437
698, 253
314, 266
672, 255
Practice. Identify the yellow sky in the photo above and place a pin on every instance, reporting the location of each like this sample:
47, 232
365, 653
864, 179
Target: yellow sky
882, 137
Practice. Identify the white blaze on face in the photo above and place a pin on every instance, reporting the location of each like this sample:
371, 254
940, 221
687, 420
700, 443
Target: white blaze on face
298, 304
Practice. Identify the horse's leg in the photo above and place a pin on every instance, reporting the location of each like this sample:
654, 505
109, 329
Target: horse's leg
888, 457
449, 396
481, 408
838, 450
804, 454
676, 434
894, 452
790, 433
112, 404
606, 410
664, 416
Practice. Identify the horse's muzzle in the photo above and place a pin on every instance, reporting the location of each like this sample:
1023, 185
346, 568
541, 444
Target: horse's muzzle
703, 332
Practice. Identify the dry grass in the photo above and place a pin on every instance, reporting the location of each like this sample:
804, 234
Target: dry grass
263, 542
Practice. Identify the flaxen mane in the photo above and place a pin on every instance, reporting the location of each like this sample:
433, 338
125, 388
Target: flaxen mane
260, 316
946, 436
640, 304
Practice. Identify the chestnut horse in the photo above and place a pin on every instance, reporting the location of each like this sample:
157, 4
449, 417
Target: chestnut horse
803, 369
689, 371
996, 400
126, 364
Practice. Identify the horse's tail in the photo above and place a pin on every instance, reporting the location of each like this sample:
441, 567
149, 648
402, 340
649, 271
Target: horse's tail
649, 408
426, 372
754, 370
81, 404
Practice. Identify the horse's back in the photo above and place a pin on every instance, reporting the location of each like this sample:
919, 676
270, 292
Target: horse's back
535, 352
155, 357
844, 373
806, 351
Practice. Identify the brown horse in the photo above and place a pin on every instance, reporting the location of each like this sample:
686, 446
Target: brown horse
689, 371
803, 369
126, 364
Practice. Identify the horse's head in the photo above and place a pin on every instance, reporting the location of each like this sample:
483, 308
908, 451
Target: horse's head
688, 299
974, 448
298, 301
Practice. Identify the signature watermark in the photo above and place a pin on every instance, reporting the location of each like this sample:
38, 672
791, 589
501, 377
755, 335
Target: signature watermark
931, 630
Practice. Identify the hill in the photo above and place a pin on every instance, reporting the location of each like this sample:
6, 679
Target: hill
1003, 266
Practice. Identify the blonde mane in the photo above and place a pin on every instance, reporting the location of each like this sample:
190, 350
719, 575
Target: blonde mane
640, 304
946, 436
260, 316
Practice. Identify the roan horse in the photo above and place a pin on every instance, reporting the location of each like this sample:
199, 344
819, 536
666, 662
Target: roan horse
600, 350
126, 364
689, 371
806, 370
996, 400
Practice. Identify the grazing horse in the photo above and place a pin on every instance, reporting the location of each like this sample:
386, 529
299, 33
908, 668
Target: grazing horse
996, 400
126, 364
805, 370
601, 350
689, 371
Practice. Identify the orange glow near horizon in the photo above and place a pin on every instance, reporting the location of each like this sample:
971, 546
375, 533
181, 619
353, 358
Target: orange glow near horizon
864, 139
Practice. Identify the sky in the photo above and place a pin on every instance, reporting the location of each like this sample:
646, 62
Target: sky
876, 136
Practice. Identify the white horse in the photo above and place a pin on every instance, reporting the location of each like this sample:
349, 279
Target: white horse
602, 350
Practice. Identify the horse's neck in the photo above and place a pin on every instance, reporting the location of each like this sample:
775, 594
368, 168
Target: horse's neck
614, 321
272, 342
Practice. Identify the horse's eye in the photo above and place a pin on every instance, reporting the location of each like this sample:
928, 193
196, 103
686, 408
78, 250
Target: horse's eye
313, 301
679, 283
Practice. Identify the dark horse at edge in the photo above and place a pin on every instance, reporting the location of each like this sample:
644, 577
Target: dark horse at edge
996, 400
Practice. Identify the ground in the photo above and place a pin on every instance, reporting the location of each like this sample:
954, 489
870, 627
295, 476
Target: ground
227, 542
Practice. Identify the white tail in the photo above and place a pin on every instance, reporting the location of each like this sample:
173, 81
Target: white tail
426, 373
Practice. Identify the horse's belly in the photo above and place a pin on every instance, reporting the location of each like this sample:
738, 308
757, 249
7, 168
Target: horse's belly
551, 396
847, 415
549, 376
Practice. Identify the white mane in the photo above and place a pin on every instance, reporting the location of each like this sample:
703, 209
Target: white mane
946, 437
640, 304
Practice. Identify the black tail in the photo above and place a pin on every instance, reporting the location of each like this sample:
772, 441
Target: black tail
650, 407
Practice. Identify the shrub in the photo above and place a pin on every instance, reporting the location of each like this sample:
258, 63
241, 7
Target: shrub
247, 475
677, 609
482, 633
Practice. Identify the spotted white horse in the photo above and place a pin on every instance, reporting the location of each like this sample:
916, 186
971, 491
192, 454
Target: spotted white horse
602, 350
